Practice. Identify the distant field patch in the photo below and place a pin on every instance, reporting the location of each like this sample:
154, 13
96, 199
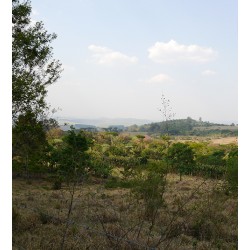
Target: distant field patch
225, 140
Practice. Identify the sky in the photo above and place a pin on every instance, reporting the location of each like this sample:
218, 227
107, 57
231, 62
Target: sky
120, 57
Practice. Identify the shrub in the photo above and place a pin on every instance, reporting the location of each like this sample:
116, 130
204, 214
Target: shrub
157, 166
180, 156
150, 188
100, 168
216, 158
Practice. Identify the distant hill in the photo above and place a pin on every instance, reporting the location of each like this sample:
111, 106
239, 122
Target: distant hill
66, 126
103, 122
187, 126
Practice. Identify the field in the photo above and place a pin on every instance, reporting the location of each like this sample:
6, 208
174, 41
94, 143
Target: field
225, 140
216, 140
197, 214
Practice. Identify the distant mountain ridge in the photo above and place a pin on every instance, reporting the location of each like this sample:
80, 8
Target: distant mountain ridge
103, 122
186, 126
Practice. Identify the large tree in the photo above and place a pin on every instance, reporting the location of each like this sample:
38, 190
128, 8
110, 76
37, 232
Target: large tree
33, 70
33, 66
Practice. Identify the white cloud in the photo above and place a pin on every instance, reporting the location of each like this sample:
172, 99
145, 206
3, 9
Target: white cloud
160, 78
103, 55
172, 52
208, 72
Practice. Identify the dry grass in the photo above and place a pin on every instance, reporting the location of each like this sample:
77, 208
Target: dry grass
213, 140
225, 140
196, 215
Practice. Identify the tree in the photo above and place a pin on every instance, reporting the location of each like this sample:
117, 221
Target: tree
180, 156
71, 157
71, 165
29, 141
215, 158
33, 68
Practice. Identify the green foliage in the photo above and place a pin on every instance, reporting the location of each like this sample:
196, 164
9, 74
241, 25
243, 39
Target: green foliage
200, 148
99, 168
140, 137
117, 150
29, 143
208, 171
210, 160
180, 156
232, 170
157, 166
112, 133
70, 158
215, 158
187, 126
33, 68
150, 188
28, 134
143, 160
156, 150
123, 161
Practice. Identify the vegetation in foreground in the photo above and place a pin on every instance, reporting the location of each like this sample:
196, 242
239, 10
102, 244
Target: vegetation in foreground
110, 191
192, 214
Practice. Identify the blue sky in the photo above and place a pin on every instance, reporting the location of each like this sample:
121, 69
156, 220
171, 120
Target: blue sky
119, 57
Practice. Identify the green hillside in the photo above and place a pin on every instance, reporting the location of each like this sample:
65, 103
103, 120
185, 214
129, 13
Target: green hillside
187, 126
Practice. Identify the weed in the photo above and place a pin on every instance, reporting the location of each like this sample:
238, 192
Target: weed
44, 217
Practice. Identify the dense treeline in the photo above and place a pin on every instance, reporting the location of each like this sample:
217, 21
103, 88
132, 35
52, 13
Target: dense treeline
101, 153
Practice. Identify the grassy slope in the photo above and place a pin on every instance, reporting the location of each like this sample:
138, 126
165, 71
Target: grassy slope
205, 219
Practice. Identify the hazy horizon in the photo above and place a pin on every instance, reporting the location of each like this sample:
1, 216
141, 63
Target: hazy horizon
126, 120
119, 57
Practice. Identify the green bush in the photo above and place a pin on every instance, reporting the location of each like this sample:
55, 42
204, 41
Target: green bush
180, 156
100, 168
209, 171
216, 158
157, 166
